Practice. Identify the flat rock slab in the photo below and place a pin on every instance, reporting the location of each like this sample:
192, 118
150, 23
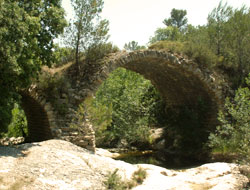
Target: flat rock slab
60, 165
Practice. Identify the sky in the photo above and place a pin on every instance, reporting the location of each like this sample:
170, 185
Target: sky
138, 19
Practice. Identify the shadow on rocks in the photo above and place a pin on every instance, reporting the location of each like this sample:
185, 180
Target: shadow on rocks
16, 150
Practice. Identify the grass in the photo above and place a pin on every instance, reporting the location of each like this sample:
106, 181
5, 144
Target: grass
115, 182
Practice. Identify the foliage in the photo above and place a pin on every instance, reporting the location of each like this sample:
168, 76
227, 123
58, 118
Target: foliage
62, 55
18, 126
54, 85
99, 51
233, 135
178, 19
238, 44
26, 37
115, 182
216, 26
185, 131
228, 33
175, 27
172, 46
125, 108
139, 175
199, 53
86, 31
132, 46
222, 43
170, 33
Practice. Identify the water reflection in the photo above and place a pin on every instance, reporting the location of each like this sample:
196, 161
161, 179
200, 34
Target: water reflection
163, 160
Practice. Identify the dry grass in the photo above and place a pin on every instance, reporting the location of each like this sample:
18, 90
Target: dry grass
201, 186
13, 183
59, 70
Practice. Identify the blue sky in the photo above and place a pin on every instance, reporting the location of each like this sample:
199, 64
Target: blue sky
138, 19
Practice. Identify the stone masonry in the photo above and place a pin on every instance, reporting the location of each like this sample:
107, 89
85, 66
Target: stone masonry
180, 82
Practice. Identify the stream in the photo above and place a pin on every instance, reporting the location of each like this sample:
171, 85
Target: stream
168, 161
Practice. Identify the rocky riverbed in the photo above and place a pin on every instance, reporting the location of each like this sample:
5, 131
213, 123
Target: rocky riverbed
60, 165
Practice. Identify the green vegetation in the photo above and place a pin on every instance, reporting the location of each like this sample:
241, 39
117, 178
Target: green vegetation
132, 46
86, 31
223, 43
26, 36
115, 182
18, 125
125, 108
232, 136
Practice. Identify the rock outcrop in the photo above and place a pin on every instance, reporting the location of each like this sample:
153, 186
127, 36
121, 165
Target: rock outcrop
57, 164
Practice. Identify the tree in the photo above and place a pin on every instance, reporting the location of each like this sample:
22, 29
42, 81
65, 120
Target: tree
169, 33
238, 43
216, 26
132, 46
86, 30
124, 108
178, 19
175, 27
26, 43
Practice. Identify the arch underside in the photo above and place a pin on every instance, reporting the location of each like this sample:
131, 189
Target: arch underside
38, 124
177, 85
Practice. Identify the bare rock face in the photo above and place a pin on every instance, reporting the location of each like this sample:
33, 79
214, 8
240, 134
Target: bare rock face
57, 164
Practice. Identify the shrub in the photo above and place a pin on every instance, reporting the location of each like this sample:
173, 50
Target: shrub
172, 46
18, 126
54, 86
200, 53
97, 52
114, 181
125, 108
139, 175
62, 55
233, 135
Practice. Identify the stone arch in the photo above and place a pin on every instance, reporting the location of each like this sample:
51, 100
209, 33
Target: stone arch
179, 80
38, 119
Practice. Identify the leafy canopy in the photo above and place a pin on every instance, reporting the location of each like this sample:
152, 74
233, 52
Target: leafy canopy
86, 31
233, 135
132, 46
178, 18
26, 43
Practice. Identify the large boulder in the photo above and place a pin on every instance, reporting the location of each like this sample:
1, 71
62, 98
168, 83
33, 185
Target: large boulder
57, 164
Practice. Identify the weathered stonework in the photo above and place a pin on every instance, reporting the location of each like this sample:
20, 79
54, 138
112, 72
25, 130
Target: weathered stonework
179, 80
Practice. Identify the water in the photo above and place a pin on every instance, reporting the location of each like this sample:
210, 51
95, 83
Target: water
163, 160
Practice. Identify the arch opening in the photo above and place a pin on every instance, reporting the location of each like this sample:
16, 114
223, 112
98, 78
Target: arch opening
191, 103
191, 110
37, 119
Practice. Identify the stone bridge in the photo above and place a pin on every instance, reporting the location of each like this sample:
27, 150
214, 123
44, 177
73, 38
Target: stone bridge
180, 82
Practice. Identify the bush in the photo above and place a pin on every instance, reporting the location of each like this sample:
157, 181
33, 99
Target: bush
115, 182
200, 53
99, 51
172, 46
62, 56
125, 108
18, 126
54, 86
233, 135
